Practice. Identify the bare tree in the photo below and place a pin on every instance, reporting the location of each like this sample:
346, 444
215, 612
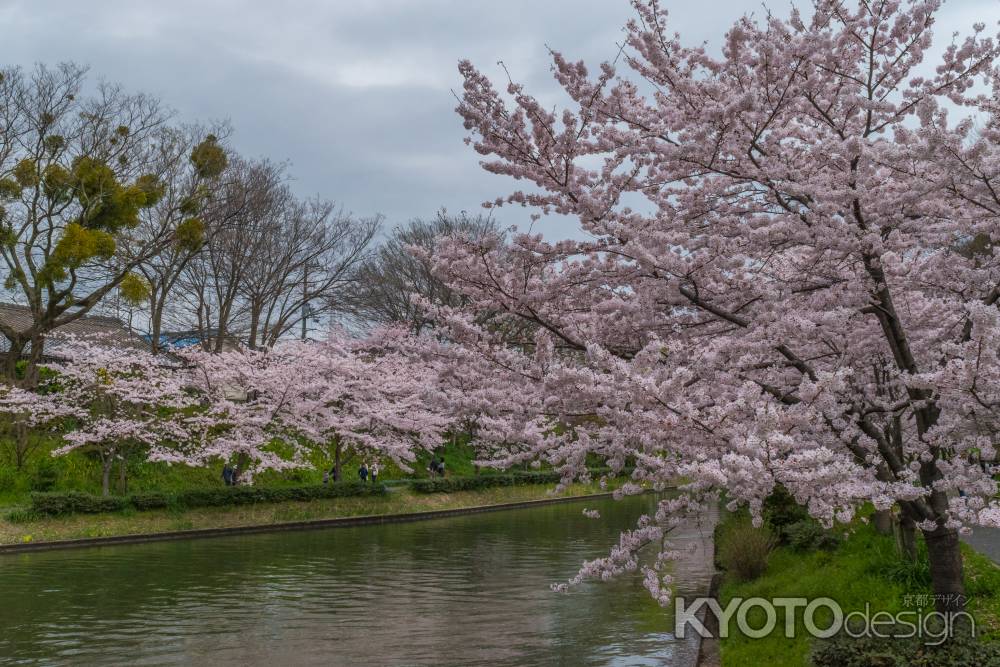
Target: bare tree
306, 258
254, 195
191, 188
385, 283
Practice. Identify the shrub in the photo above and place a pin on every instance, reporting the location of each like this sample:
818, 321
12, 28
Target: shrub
74, 502
84, 503
451, 484
744, 550
149, 501
781, 510
808, 534
960, 651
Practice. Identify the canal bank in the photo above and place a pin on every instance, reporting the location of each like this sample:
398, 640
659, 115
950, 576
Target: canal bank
39, 533
315, 524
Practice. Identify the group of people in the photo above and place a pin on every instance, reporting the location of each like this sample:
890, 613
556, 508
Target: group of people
436, 466
368, 471
230, 474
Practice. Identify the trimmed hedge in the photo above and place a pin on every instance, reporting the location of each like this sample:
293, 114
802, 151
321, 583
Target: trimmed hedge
74, 502
54, 504
450, 484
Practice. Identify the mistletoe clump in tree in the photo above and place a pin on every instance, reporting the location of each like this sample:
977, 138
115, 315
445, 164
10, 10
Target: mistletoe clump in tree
789, 273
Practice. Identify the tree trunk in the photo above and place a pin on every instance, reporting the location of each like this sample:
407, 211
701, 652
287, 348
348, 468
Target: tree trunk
907, 537
336, 462
123, 475
882, 520
106, 464
10, 359
242, 460
254, 325
946, 569
30, 378
155, 325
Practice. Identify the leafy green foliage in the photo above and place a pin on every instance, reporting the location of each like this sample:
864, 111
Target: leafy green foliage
134, 289
190, 234
72, 502
452, 484
208, 158
25, 173
808, 534
782, 510
960, 651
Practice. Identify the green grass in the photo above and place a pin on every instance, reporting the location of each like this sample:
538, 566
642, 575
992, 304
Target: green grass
863, 570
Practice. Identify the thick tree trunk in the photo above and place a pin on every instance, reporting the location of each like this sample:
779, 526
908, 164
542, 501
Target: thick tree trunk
106, 465
882, 520
907, 538
946, 569
10, 359
123, 476
34, 360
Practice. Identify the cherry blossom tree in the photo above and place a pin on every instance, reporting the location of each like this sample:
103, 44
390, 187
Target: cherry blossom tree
126, 401
26, 415
269, 409
773, 282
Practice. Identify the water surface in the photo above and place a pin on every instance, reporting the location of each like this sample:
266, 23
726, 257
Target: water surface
470, 590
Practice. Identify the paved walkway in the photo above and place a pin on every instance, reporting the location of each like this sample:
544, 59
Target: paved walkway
987, 541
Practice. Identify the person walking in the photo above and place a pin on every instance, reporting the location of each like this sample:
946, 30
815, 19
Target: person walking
227, 474
326, 477
363, 472
373, 471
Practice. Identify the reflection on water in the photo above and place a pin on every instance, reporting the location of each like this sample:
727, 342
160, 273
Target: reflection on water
469, 590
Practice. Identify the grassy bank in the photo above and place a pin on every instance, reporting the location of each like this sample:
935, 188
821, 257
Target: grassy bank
400, 501
864, 569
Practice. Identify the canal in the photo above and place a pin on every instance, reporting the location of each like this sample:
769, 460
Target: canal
470, 590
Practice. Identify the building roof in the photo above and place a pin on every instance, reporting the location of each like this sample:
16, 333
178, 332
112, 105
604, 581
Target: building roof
108, 328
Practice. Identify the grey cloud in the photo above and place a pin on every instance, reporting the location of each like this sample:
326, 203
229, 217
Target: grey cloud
356, 94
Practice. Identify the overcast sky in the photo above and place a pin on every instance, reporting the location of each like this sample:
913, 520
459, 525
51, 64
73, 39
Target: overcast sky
356, 94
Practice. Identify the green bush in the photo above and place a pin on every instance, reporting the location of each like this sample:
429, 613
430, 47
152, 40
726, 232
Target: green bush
150, 501
781, 511
960, 651
74, 502
808, 534
53, 504
744, 550
452, 484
